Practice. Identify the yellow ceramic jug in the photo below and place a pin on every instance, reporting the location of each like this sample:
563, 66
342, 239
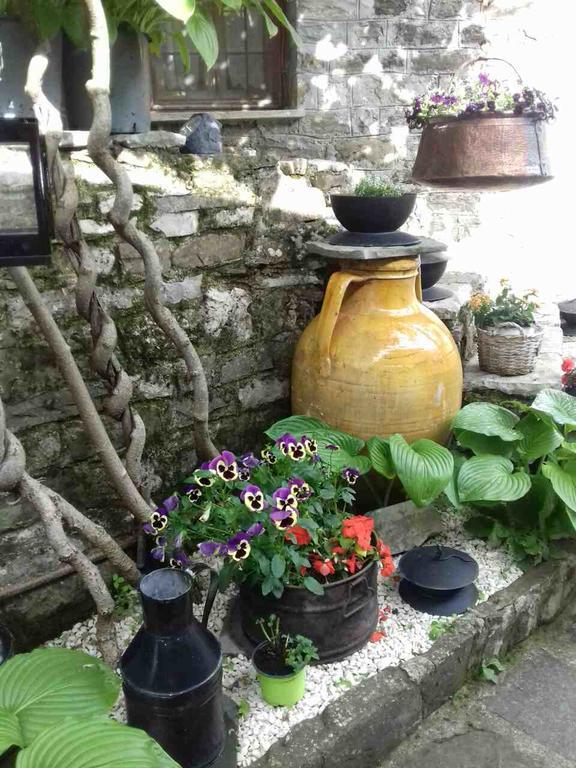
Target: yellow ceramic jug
376, 361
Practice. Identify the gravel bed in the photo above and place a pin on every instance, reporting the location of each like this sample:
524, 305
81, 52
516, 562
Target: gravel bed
402, 633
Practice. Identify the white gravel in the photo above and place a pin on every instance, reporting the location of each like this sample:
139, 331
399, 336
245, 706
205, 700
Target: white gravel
406, 633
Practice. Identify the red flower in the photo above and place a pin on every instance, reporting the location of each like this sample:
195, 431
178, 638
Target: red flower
323, 567
303, 570
387, 567
338, 550
568, 365
383, 549
351, 564
375, 637
359, 528
300, 534
564, 379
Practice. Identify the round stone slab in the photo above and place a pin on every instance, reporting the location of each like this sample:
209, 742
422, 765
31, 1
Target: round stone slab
371, 252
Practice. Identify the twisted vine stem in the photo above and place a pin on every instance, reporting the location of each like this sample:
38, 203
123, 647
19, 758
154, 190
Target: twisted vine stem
102, 327
53, 510
98, 88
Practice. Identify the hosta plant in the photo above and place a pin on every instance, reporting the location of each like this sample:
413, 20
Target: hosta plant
53, 708
518, 473
281, 518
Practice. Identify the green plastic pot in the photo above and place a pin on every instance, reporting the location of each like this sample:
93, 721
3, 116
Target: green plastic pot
280, 690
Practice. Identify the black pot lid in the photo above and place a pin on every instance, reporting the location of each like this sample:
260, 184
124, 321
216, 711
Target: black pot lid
373, 239
438, 568
436, 293
445, 603
568, 311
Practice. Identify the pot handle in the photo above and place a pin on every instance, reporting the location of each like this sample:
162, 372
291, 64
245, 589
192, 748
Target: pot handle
335, 292
357, 603
195, 568
470, 63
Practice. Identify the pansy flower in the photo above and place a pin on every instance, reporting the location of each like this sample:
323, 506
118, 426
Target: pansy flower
291, 447
253, 498
298, 534
193, 492
284, 499
159, 551
268, 456
238, 547
179, 559
250, 461
254, 530
204, 477
243, 474
310, 444
284, 519
209, 548
300, 488
158, 521
359, 528
350, 475
225, 466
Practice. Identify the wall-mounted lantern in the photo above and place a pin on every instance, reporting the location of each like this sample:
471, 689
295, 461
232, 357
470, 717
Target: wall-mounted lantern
25, 209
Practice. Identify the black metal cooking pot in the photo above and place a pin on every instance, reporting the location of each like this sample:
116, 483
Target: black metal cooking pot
339, 622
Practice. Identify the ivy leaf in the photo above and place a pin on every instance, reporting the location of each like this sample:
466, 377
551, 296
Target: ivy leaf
278, 566
204, 36
424, 468
487, 419
313, 586
491, 478
380, 456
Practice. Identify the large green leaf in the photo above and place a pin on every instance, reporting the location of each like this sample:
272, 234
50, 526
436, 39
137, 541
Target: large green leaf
180, 9
276, 11
297, 426
487, 419
557, 405
482, 444
451, 489
424, 468
563, 481
94, 743
491, 478
42, 688
204, 36
539, 438
380, 456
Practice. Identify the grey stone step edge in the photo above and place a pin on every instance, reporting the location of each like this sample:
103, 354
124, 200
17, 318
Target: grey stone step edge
366, 723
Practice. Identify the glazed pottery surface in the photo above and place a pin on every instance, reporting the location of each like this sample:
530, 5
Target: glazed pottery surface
375, 361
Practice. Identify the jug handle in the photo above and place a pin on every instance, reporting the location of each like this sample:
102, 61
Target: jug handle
335, 292
212, 588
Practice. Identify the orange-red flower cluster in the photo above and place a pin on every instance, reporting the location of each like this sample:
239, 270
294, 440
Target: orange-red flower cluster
386, 561
359, 528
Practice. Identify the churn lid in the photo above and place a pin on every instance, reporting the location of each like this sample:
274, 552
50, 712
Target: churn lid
438, 568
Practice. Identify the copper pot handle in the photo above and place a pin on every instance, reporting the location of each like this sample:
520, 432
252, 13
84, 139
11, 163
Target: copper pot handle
467, 64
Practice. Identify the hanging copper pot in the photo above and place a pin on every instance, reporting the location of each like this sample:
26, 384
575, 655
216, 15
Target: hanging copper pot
483, 150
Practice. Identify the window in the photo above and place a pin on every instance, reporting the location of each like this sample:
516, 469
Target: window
250, 72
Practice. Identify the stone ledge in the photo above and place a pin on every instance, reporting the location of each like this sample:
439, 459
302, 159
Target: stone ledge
375, 716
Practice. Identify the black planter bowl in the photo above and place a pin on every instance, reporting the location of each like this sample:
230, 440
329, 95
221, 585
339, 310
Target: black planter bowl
568, 312
372, 214
432, 267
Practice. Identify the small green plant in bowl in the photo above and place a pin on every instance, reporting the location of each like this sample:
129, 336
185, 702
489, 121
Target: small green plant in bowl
281, 662
372, 186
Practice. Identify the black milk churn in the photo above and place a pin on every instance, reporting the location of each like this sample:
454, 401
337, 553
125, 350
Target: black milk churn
172, 671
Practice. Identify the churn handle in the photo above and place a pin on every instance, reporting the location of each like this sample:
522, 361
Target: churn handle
212, 588
337, 286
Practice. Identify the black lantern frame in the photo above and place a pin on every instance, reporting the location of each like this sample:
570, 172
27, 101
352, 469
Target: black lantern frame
28, 246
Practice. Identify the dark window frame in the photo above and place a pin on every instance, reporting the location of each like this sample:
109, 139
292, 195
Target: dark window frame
278, 49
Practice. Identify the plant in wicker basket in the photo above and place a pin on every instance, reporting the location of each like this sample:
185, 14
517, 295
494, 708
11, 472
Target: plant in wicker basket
508, 337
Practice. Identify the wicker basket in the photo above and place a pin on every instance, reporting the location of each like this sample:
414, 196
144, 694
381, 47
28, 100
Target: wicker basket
508, 349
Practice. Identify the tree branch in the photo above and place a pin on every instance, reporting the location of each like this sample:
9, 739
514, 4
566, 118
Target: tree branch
98, 148
102, 327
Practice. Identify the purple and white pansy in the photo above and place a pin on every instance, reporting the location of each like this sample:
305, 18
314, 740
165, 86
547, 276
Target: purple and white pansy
284, 499
269, 457
158, 552
300, 488
159, 518
291, 447
351, 475
225, 466
284, 518
253, 498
